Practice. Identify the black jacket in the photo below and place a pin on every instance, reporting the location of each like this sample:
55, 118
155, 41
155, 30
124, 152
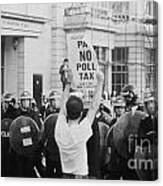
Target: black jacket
148, 129
32, 114
11, 113
48, 140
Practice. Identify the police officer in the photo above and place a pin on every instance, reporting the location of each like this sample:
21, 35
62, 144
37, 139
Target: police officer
119, 108
113, 160
8, 113
8, 110
53, 104
122, 148
18, 159
50, 148
148, 131
34, 105
24, 143
150, 123
128, 92
27, 110
43, 107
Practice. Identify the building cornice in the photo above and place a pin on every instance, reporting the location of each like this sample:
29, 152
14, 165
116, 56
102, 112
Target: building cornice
23, 17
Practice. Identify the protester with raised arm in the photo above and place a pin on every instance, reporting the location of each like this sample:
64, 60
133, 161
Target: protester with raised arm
72, 133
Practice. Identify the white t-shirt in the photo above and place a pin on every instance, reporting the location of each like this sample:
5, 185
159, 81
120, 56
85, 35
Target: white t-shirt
71, 140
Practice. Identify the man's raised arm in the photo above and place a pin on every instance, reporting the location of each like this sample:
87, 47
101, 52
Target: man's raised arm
96, 98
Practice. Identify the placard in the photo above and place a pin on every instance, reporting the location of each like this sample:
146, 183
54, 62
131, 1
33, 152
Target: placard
84, 64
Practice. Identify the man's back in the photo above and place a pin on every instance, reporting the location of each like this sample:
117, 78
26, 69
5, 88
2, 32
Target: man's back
72, 144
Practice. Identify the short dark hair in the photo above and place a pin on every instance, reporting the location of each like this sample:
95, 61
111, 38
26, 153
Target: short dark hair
74, 107
65, 60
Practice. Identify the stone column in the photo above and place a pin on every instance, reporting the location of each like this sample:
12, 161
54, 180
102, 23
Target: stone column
58, 45
20, 67
109, 71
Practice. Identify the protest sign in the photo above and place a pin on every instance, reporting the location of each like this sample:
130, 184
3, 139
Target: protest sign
84, 64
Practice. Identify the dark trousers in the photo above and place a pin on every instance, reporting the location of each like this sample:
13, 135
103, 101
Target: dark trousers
118, 169
5, 164
53, 169
22, 167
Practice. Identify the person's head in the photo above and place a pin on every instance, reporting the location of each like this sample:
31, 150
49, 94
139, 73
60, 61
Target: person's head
65, 61
53, 96
119, 106
13, 101
150, 103
104, 108
74, 107
25, 100
129, 95
33, 104
7, 100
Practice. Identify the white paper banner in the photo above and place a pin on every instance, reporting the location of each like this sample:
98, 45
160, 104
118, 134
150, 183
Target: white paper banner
83, 63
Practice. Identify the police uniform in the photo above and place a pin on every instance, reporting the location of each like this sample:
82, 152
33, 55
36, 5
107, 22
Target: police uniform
128, 92
23, 162
93, 149
114, 162
50, 148
32, 114
51, 109
118, 103
24, 139
29, 112
11, 112
104, 115
5, 148
149, 125
6, 119
148, 130
118, 143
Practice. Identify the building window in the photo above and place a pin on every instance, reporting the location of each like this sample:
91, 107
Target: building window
120, 55
96, 49
119, 68
103, 54
151, 68
149, 8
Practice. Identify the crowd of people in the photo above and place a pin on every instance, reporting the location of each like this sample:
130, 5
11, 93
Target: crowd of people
67, 140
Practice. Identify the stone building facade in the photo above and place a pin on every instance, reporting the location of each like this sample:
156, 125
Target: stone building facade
34, 44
